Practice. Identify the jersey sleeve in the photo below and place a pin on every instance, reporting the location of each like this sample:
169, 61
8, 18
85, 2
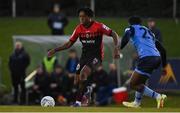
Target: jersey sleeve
130, 30
105, 30
75, 35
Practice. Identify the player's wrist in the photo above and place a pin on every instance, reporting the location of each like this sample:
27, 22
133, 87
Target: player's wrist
116, 47
55, 50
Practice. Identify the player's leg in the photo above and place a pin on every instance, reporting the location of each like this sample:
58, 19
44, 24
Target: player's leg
85, 84
136, 83
138, 80
92, 66
146, 66
142, 89
77, 84
83, 71
86, 88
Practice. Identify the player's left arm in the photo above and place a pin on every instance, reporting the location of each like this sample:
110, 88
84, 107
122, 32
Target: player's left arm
107, 31
162, 51
126, 37
116, 47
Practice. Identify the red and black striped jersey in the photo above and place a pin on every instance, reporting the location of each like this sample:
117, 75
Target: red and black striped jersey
91, 38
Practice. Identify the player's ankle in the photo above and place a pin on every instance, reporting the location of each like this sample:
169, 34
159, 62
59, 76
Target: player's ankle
137, 103
78, 102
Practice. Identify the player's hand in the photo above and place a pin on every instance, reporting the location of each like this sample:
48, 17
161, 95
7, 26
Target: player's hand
116, 53
164, 70
51, 52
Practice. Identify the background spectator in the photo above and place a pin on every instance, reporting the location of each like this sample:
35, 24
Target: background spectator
71, 65
152, 26
59, 85
72, 62
57, 21
18, 63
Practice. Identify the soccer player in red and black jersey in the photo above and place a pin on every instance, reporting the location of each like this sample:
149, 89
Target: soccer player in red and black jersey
90, 33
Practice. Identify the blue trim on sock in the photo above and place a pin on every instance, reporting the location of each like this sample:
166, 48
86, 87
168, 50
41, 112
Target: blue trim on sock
138, 98
150, 93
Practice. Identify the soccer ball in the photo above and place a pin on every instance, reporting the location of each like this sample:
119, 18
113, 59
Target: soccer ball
47, 101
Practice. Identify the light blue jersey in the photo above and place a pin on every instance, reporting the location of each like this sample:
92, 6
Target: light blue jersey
143, 41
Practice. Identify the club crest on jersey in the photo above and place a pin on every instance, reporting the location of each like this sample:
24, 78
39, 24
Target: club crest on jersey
95, 61
87, 35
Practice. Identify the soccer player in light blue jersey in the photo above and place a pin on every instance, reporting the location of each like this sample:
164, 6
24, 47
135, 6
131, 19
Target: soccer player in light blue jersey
151, 55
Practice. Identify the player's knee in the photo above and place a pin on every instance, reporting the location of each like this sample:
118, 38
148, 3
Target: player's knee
86, 71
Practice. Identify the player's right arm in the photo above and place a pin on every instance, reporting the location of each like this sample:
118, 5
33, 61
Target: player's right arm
60, 48
66, 45
125, 39
109, 32
162, 52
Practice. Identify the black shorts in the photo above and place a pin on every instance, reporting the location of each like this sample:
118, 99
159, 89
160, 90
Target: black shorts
147, 65
92, 62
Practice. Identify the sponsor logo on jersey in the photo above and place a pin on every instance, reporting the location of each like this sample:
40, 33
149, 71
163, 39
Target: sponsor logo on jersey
105, 27
87, 35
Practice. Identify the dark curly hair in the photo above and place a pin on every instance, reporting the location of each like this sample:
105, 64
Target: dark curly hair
135, 20
89, 12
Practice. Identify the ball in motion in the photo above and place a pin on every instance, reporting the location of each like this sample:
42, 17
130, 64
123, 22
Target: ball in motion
47, 101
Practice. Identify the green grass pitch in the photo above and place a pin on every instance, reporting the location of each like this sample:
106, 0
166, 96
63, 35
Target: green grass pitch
172, 104
82, 109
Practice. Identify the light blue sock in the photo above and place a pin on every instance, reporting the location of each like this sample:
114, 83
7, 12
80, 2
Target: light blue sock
150, 93
138, 97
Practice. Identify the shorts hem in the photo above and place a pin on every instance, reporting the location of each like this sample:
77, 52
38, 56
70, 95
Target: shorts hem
142, 73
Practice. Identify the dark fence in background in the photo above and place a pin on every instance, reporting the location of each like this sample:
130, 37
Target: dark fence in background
119, 8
